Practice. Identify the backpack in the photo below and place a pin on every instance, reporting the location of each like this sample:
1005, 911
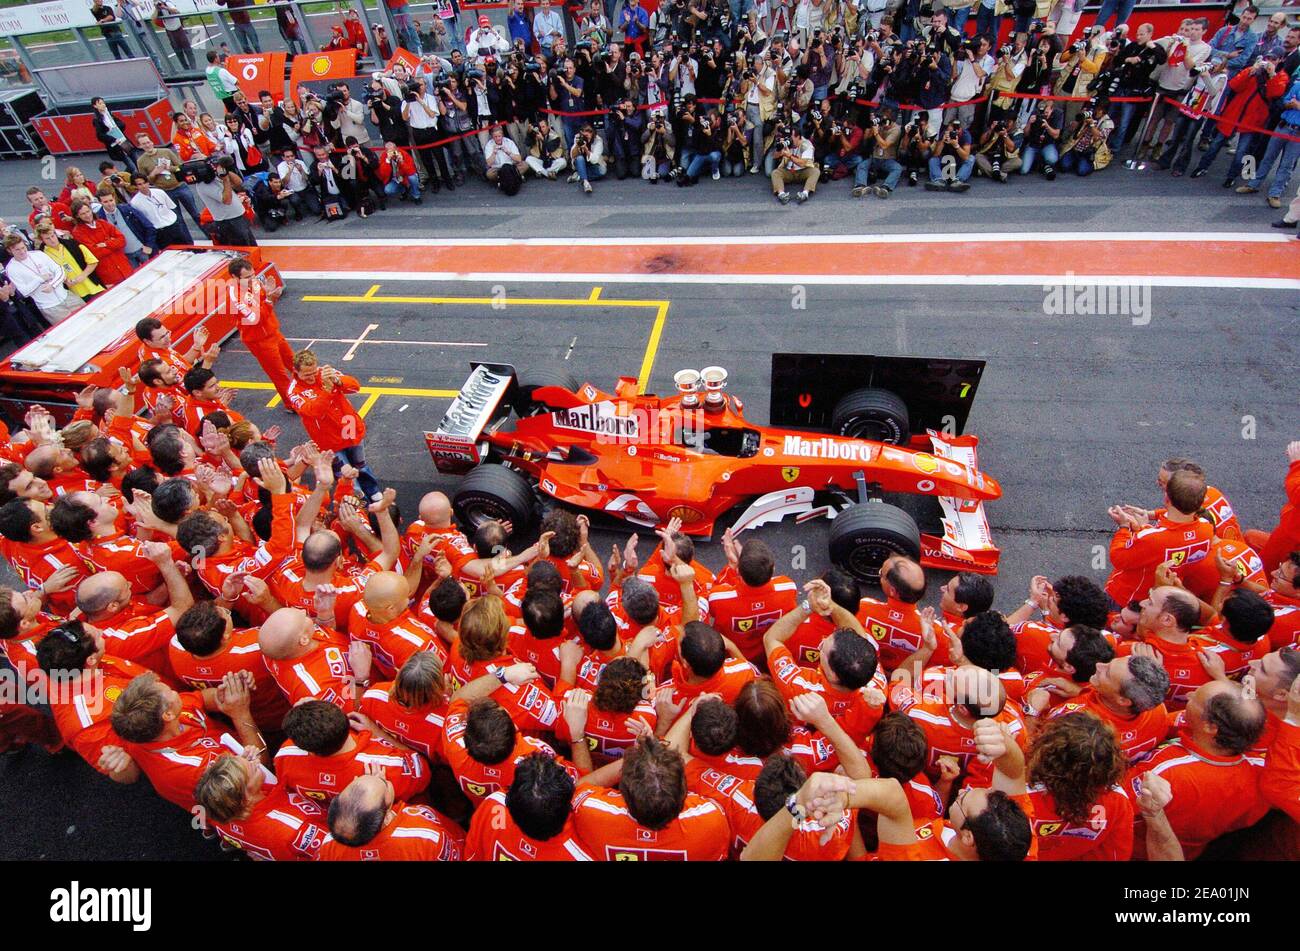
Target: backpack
509, 180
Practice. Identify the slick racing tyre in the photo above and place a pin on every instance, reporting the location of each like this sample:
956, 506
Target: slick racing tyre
494, 492
523, 402
874, 414
864, 535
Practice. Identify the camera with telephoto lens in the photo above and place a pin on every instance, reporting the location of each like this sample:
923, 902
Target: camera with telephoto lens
1006, 50
474, 74
532, 67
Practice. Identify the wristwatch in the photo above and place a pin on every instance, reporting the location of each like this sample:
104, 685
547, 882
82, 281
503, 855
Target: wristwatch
500, 675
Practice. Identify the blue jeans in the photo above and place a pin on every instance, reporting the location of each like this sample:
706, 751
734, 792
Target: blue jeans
184, 196
963, 170
852, 163
247, 37
891, 169
406, 34
1178, 153
697, 164
1072, 161
411, 186
1031, 152
988, 23
959, 18
355, 456
1120, 9
137, 258
1244, 141
1127, 110
587, 172
1289, 152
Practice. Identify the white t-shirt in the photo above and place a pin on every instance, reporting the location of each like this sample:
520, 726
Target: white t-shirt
768, 80
157, 207
804, 151
33, 274
504, 154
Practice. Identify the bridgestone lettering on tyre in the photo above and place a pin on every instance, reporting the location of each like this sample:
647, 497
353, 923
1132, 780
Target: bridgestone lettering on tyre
863, 536
494, 492
874, 414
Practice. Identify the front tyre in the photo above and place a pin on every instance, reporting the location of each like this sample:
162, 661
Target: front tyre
866, 534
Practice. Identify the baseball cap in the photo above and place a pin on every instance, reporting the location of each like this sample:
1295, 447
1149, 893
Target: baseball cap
484, 21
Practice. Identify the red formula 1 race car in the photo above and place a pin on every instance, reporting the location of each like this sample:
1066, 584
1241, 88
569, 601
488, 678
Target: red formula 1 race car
519, 438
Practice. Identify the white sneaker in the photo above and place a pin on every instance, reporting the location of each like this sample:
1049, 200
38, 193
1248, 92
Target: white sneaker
802, 196
586, 187
550, 173
753, 171
574, 177
716, 175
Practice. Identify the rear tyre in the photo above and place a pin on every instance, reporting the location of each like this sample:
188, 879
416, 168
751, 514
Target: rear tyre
494, 492
523, 402
874, 414
864, 535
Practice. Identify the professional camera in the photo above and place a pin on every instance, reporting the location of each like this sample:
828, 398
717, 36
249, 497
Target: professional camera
1006, 50
532, 67
475, 74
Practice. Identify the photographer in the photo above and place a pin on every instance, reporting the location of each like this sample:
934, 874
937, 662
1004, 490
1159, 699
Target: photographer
795, 163
915, 145
423, 113
350, 119
333, 191
566, 97
955, 143
611, 76
997, 155
1036, 77
223, 195
735, 146
1078, 67
708, 84
505, 164
1011, 60
1132, 65
360, 167
624, 134
273, 203
844, 154
548, 26
1254, 91
280, 122
461, 154
682, 70
587, 157
940, 36
1201, 98
879, 153
593, 25
972, 69
485, 41
708, 150
1185, 54
935, 78
292, 173
658, 149
1041, 132
820, 64
758, 91
1086, 149
546, 153
483, 99
238, 146
386, 112
397, 172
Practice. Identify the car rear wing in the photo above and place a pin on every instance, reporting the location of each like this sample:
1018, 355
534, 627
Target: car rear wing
967, 542
938, 392
484, 397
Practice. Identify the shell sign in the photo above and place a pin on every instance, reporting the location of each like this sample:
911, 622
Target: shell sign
337, 64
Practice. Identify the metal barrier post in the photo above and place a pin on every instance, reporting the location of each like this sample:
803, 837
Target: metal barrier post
1133, 163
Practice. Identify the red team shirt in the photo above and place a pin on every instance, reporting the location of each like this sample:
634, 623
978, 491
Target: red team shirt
418, 834
852, 709
494, 837
323, 673
1105, 836
743, 614
604, 825
242, 652
421, 730
324, 777
283, 827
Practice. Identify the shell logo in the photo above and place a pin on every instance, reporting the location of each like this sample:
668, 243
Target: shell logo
925, 462
320, 65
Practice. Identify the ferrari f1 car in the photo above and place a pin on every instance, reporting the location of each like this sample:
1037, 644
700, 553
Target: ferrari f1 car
846, 432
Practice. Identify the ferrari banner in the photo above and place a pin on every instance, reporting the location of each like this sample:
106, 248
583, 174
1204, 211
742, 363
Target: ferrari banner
258, 71
405, 57
339, 64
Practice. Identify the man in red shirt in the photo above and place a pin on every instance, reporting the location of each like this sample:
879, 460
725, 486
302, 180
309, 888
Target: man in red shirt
1214, 777
60, 469
848, 675
650, 816
37, 554
163, 394
307, 661
205, 396
168, 734
1128, 692
1276, 545
17, 482
532, 821
251, 301
702, 665
368, 824
319, 395
90, 524
382, 620
435, 520
327, 749
746, 599
156, 344
413, 707
1164, 633
1175, 534
207, 647
1216, 506
1072, 599
256, 814
895, 624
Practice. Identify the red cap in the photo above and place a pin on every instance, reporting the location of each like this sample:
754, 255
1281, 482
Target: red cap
484, 21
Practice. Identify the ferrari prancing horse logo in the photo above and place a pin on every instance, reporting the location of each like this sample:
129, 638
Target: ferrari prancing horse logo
790, 473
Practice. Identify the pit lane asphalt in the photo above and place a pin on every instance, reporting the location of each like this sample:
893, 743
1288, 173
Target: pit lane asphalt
1074, 413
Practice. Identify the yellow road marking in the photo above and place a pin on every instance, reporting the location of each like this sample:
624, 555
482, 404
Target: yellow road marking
592, 300
367, 390
365, 407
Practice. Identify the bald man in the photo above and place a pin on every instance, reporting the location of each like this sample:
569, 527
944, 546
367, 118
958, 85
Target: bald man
319, 564
894, 623
947, 713
307, 661
60, 469
435, 522
384, 620
133, 629
367, 823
